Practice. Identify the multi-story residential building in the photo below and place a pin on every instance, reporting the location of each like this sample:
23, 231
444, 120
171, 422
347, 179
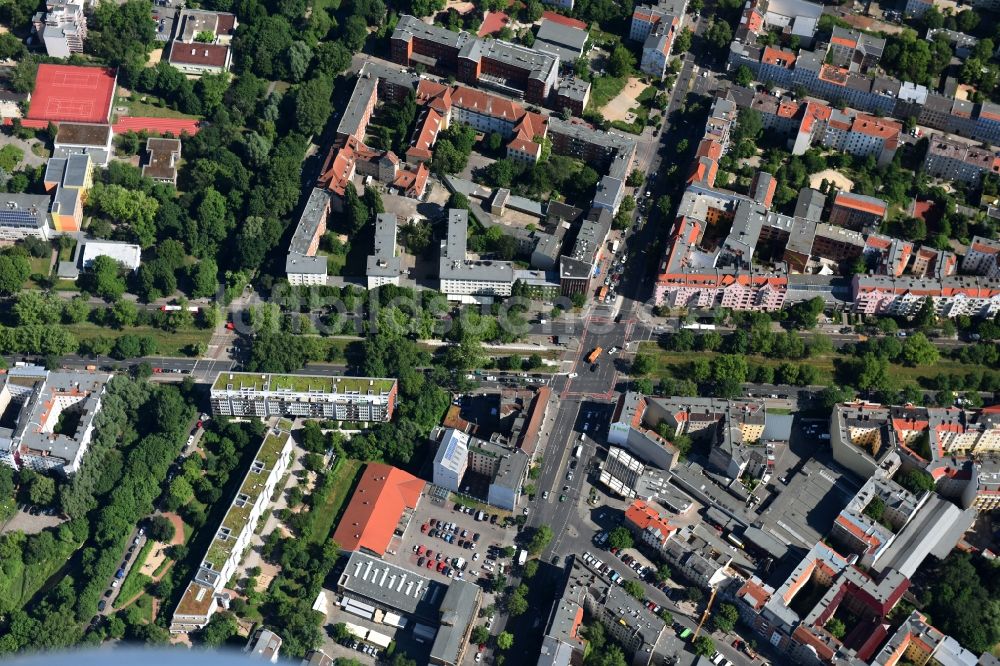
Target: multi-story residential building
361, 399
164, 158
51, 417
857, 211
576, 269
384, 265
505, 67
23, 215
953, 160
952, 296
451, 459
982, 258
704, 563
360, 108
916, 641
470, 280
862, 135
201, 598
302, 265
202, 42
646, 18
640, 632
490, 113
657, 47
855, 50
649, 525
62, 27
633, 428
572, 94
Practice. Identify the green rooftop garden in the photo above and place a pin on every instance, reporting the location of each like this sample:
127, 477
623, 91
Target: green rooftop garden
300, 383
253, 485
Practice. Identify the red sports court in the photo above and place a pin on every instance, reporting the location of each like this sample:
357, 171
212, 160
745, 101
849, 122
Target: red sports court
69, 93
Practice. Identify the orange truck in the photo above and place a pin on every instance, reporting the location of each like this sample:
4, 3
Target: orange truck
594, 354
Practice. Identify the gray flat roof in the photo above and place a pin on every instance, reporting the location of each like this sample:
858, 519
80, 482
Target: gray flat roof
391, 586
573, 88
314, 213
458, 609
383, 261
357, 106
454, 265
300, 263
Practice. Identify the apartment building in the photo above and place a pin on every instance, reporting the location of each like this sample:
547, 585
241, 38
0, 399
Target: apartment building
649, 525
50, 420
577, 267
360, 399
202, 42
704, 563
23, 215
949, 159
633, 427
657, 47
62, 27
302, 265
572, 94
505, 67
855, 50
857, 211
204, 593
489, 113
862, 135
385, 265
982, 258
470, 280
952, 296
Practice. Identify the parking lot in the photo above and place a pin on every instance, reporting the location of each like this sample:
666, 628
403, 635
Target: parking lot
438, 535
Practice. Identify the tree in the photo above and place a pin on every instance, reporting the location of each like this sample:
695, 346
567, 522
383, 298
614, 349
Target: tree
916, 481
663, 573
505, 640
161, 529
704, 646
126, 33
694, 594
220, 628
744, 76
42, 490
540, 540
683, 42
725, 618
720, 34
312, 104
620, 538
918, 350
480, 635
642, 364
634, 588
104, 277
622, 62
14, 271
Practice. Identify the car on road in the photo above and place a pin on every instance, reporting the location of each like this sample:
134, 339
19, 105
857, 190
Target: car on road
573, 375
545, 495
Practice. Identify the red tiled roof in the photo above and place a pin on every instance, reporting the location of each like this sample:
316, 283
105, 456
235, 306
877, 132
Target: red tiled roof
565, 20
847, 200
378, 503
843, 41
493, 23
644, 516
772, 56
878, 127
